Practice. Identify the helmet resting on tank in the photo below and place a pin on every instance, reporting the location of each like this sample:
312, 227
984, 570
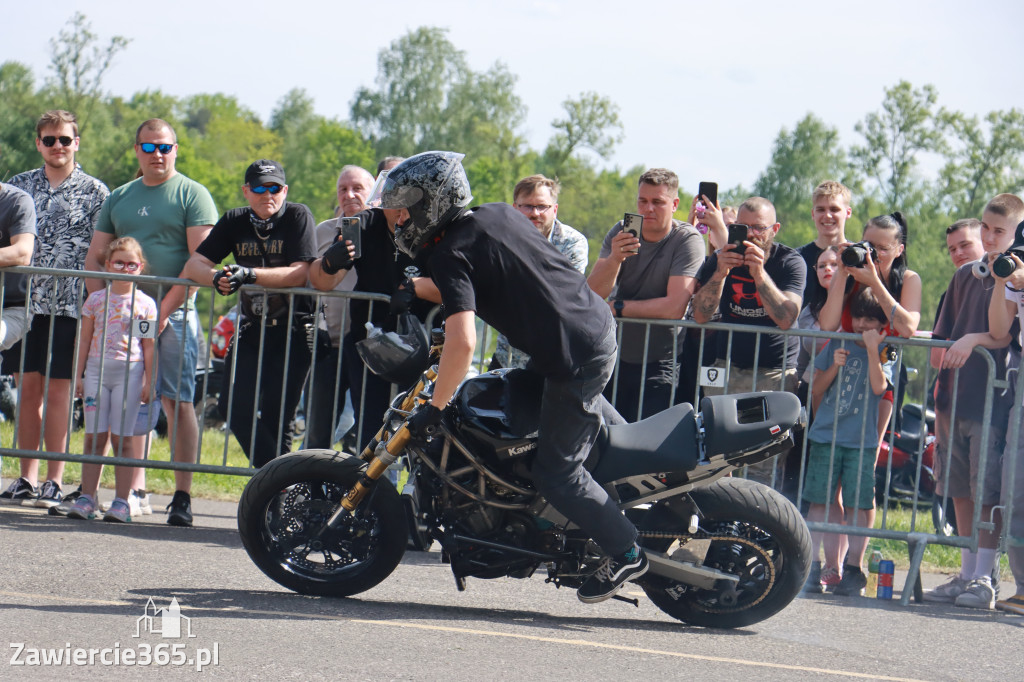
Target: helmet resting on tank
434, 188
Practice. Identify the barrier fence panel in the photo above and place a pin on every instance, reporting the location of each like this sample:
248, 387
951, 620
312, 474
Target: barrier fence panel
903, 468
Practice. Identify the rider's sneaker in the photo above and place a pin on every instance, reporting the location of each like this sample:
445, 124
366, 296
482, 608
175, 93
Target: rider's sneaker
947, 592
852, 584
830, 579
612, 574
84, 508
65, 505
978, 595
19, 492
50, 495
119, 512
1014, 604
813, 584
179, 511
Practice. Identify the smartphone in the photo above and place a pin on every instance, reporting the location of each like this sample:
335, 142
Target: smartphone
709, 190
351, 230
738, 235
632, 224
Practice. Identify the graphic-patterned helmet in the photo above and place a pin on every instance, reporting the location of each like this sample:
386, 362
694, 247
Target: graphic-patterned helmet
434, 188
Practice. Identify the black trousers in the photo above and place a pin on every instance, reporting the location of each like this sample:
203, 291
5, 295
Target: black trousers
325, 397
262, 404
370, 397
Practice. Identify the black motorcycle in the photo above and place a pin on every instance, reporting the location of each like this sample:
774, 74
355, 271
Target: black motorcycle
724, 552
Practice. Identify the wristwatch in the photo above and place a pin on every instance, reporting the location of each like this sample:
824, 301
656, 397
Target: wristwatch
617, 305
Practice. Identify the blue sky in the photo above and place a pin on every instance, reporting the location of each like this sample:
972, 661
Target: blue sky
703, 88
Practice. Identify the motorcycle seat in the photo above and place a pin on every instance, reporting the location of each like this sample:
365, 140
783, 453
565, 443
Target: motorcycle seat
665, 442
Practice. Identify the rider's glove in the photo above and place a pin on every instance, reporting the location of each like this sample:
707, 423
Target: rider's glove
402, 297
336, 258
424, 421
237, 275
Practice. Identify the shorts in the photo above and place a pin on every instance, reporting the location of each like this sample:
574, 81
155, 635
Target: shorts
958, 459
849, 464
177, 357
39, 357
111, 406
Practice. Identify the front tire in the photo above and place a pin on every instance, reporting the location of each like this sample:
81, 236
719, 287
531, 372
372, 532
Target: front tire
754, 532
284, 508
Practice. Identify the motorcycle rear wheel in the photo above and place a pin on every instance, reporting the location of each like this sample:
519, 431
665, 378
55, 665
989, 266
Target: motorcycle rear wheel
286, 504
755, 533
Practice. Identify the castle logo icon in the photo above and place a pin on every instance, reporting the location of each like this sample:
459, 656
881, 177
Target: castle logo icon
167, 622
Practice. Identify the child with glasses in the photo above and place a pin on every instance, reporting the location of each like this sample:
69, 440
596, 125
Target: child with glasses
115, 355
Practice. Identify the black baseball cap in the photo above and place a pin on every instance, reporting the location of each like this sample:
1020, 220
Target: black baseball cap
264, 172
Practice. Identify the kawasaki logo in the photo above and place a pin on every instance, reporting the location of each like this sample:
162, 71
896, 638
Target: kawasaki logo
521, 449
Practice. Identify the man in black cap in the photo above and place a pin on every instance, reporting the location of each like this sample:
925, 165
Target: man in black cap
273, 244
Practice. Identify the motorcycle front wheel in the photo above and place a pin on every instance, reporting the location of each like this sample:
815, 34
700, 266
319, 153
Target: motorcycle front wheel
282, 516
751, 532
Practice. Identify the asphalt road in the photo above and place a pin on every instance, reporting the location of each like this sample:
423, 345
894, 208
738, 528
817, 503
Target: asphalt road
73, 585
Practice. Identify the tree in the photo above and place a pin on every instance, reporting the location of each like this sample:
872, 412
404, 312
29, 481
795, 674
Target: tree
983, 160
591, 122
79, 64
893, 139
19, 111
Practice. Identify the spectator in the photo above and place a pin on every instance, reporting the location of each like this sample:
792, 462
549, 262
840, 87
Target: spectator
330, 384
844, 443
651, 275
536, 197
115, 357
272, 242
824, 270
67, 204
169, 215
963, 241
761, 286
959, 417
716, 237
831, 210
896, 288
1001, 316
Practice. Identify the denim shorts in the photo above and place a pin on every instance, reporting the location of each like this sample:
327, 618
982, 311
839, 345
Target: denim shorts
149, 415
177, 376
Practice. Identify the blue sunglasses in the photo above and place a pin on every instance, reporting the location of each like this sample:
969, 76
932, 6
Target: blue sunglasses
260, 189
150, 147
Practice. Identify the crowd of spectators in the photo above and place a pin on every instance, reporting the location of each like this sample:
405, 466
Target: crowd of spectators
659, 268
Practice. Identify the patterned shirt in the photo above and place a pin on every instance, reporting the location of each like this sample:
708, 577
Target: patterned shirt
66, 216
571, 243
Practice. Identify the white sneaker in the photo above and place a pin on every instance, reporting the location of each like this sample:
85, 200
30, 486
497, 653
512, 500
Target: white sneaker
978, 595
143, 499
947, 592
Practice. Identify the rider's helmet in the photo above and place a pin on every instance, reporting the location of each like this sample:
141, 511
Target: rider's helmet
434, 188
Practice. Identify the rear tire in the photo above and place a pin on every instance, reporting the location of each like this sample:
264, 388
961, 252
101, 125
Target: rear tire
756, 534
287, 503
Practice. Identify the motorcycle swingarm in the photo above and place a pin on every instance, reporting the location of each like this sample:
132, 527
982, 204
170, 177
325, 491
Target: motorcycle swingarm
689, 574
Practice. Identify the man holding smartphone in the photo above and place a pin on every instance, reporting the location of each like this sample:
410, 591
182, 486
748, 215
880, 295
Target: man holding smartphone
273, 245
761, 286
650, 275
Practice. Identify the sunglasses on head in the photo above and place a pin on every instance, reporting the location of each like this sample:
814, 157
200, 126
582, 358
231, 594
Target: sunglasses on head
260, 189
51, 140
150, 147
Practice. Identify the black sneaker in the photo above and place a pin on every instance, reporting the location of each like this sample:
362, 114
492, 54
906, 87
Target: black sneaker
66, 503
20, 492
50, 495
853, 583
813, 584
179, 511
612, 574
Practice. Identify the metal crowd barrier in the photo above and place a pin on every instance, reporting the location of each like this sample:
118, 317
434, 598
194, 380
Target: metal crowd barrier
918, 536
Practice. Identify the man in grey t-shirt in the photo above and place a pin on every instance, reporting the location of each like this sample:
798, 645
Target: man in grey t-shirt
17, 241
651, 275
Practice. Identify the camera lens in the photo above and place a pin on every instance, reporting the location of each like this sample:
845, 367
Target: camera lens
854, 256
1003, 266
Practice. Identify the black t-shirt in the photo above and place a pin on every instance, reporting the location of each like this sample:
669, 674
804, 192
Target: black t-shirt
810, 252
290, 240
493, 261
741, 304
379, 271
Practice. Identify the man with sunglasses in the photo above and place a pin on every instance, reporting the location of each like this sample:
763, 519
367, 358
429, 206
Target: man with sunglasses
170, 215
67, 203
762, 284
273, 243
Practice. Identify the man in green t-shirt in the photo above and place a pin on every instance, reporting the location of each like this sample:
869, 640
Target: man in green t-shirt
170, 215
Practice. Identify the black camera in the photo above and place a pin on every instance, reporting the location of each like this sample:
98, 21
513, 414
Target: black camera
856, 255
1003, 265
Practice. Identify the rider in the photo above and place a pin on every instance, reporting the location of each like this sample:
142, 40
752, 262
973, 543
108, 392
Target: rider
490, 261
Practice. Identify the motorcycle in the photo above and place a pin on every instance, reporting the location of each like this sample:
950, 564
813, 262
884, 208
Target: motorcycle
724, 552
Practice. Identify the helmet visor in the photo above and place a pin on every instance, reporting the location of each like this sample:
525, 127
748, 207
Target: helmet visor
377, 190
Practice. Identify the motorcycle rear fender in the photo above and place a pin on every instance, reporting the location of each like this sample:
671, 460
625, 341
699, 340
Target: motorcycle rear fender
745, 422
